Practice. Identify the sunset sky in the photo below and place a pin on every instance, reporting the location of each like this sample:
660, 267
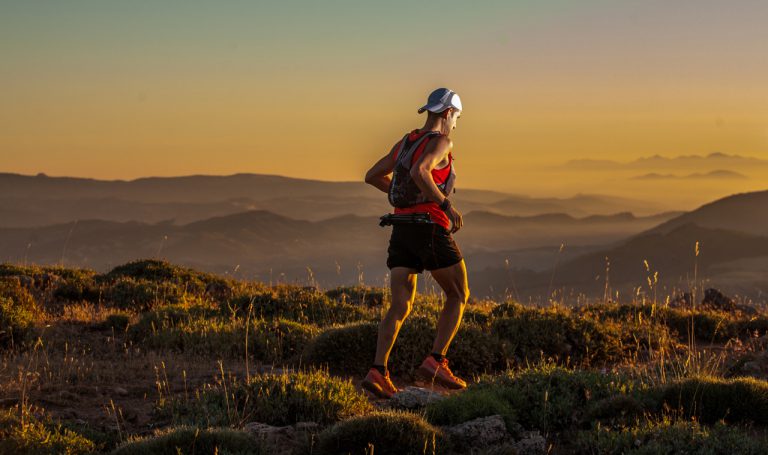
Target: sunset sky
322, 89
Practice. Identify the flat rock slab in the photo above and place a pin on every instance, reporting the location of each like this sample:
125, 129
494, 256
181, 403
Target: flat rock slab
481, 432
414, 398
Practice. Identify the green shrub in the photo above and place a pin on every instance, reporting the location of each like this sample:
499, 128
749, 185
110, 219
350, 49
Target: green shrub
476, 315
619, 409
192, 441
358, 295
708, 324
169, 316
529, 333
118, 321
159, 271
668, 437
75, 290
382, 433
474, 349
475, 402
547, 398
345, 350
17, 313
202, 330
282, 340
640, 326
297, 304
48, 277
507, 309
39, 436
9, 270
350, 349
711, 399
189, 282
275, 399
140, 294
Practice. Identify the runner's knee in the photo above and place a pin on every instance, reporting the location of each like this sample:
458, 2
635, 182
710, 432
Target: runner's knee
401, 310
458, 294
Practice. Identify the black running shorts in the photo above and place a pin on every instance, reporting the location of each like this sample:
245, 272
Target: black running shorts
422, 246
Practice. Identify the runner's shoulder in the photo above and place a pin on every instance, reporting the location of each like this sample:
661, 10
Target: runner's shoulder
442, 142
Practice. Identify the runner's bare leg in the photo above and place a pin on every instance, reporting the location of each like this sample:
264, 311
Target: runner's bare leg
403, 284
453, 280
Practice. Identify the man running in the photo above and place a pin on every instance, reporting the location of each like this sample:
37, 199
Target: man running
415, 247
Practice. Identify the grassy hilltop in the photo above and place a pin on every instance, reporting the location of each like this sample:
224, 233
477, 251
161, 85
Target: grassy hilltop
153, 358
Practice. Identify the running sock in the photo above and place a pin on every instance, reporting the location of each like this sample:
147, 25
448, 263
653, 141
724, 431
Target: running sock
438, 357
382, 369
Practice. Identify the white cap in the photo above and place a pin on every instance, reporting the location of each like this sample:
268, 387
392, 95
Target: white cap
440, 100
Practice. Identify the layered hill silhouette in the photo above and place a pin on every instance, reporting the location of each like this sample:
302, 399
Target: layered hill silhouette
747, 213
328, 231
714, 160
732, 234
257, 242
41, 200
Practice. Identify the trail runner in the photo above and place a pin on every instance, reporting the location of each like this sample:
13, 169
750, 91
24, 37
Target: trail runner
418, 176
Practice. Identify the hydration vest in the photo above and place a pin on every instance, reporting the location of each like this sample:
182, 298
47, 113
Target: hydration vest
403, 191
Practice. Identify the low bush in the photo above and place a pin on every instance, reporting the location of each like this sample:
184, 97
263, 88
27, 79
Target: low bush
358, 295
118, 322
141, 295
706, 324
529, 333
77, 290
18, 311
160, 271
202, 330
712, 399
39, 436
297, 304
546, 398
668, 437
275, 399
474, 349
344, 350
382, 433
192, 441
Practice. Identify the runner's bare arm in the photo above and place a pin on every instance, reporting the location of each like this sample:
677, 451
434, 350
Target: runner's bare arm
421, 172
379, 174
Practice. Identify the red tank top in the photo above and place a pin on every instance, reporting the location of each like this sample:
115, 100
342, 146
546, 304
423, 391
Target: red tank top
438, 175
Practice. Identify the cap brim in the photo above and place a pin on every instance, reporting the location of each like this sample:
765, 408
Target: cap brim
436, 108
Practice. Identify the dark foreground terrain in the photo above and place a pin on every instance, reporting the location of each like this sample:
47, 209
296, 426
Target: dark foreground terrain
152, 358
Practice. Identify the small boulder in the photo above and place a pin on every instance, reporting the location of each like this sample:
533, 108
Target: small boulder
479, 433
280, 440
413, 398
121, 391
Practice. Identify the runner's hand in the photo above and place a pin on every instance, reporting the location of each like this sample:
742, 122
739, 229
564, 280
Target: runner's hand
456, 219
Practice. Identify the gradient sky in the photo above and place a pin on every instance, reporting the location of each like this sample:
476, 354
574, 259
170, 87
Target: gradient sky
322, 89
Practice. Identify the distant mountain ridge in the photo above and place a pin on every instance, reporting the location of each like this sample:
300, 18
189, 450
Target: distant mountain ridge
259, 240
719, 174
745, 212
732, 233
41, 200
716, 158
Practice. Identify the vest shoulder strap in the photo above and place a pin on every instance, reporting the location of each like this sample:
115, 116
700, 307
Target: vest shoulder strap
405, 158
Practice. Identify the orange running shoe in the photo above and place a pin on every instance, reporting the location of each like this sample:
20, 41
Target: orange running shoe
379, 384
439, 373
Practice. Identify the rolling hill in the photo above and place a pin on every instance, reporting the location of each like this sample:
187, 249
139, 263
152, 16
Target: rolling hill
27, 201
